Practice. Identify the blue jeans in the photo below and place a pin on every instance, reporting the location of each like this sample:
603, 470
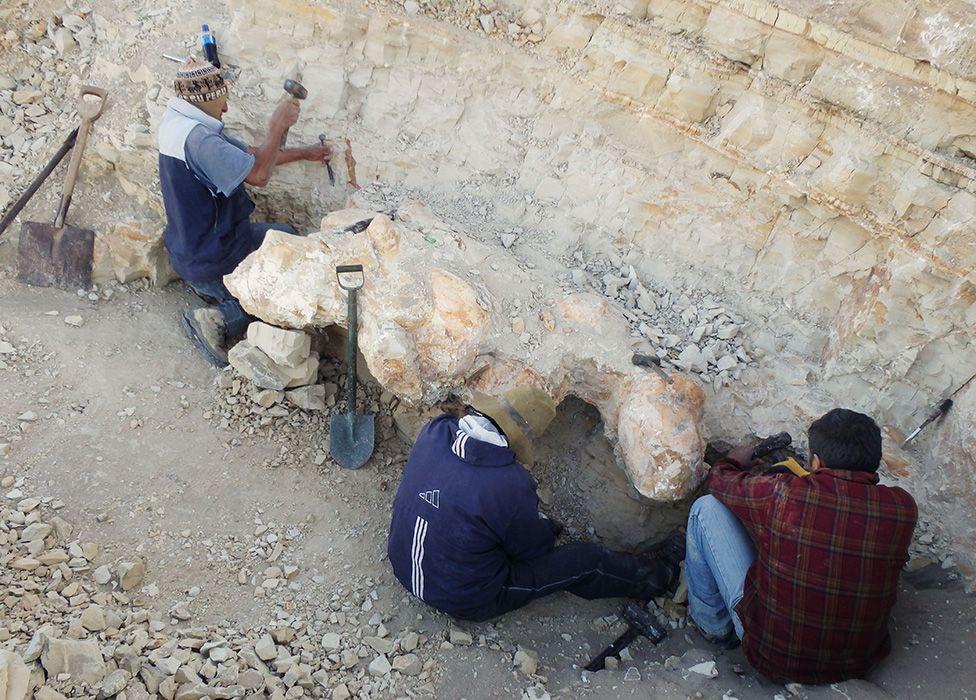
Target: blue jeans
236, 319
719, 554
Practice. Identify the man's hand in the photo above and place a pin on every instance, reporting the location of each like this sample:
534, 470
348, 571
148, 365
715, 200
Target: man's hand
285, 115
318, 153
742, 455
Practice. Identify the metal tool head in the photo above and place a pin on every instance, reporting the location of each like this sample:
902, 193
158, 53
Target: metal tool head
50, 256
351, 439
295, 89
643, 621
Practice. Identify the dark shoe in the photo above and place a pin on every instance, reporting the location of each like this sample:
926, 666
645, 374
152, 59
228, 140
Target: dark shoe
728, 641
205, 327
672, 549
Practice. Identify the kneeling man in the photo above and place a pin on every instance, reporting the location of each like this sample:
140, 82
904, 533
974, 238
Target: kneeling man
467, 537
804, 570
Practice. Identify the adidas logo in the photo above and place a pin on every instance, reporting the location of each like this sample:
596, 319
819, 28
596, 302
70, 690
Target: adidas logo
432, 497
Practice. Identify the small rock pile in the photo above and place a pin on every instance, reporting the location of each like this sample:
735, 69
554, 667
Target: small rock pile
281, 363
36, 104
74, 629
281, 389
485, 17
690, 331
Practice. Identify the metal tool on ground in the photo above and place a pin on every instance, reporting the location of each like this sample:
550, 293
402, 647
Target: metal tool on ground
351, 436
651, 362
328, 165
640, 623
296, 91
55, 254
940, 410
36, 183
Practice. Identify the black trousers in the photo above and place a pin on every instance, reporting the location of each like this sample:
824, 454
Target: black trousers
581, 568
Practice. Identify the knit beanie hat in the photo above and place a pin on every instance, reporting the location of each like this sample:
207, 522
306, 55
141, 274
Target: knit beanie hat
200, 83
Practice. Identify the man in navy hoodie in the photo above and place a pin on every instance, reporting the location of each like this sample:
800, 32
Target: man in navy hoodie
467, 536
202, 172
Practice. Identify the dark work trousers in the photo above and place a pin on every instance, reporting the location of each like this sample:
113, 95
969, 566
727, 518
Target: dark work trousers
236, 320
582, 568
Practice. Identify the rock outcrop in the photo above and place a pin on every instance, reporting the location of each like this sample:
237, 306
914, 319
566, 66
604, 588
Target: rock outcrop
434, 322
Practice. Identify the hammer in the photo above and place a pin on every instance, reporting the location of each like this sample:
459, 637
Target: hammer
640, 623
296, 90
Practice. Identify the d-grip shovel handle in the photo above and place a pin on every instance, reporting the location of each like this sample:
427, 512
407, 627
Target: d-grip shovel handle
89, 112
346, 269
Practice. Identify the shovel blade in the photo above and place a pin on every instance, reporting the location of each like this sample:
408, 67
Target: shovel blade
51, 257
351, 440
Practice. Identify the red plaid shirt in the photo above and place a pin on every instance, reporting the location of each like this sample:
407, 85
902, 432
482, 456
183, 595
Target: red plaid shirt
830, 547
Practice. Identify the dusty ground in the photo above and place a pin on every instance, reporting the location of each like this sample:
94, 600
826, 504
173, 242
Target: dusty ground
121, 437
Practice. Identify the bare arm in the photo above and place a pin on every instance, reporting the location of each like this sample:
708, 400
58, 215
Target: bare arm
266, 155
317, 153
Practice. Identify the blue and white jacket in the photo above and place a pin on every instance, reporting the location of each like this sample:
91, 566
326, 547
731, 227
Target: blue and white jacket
465, 510
201, 173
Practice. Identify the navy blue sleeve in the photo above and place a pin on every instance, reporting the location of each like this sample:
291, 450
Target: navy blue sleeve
220, 162
527, 535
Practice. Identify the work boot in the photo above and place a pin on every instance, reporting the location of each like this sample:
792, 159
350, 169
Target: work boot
670, 552
205, 327
726, 642
671, 549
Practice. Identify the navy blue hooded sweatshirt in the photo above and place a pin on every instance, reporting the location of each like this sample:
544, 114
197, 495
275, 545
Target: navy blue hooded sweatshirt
465, 509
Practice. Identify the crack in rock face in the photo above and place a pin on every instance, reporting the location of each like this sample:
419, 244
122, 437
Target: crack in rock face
431, 325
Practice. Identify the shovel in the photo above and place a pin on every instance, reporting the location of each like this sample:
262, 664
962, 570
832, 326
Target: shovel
55, 254
351, 437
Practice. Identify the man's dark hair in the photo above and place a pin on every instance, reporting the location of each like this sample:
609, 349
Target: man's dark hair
845, 439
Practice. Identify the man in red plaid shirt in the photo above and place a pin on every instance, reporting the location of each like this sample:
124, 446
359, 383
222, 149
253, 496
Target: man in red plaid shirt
803, 570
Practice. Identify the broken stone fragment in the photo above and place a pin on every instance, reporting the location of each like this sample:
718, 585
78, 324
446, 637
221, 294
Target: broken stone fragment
131, 574
287, 348
127, 252
113, 684
408, 665
14, 676
93, 618
380, 666
81, 659
526, 661
266, 398
308, 398
253, 364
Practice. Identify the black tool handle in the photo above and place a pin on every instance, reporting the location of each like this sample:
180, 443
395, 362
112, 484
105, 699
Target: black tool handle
641, 623
353, 331
599, 662
38, 181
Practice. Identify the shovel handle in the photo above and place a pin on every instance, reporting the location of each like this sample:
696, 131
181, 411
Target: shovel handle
352, 342
89, 112
347, 269
38, 181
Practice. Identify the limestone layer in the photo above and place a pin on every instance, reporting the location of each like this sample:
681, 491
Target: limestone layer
432, 324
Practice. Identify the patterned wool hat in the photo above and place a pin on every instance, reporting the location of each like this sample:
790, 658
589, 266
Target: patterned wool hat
199, 83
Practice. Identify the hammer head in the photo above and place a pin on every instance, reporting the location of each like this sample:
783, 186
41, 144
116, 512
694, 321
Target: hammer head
295, 89
642, 620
